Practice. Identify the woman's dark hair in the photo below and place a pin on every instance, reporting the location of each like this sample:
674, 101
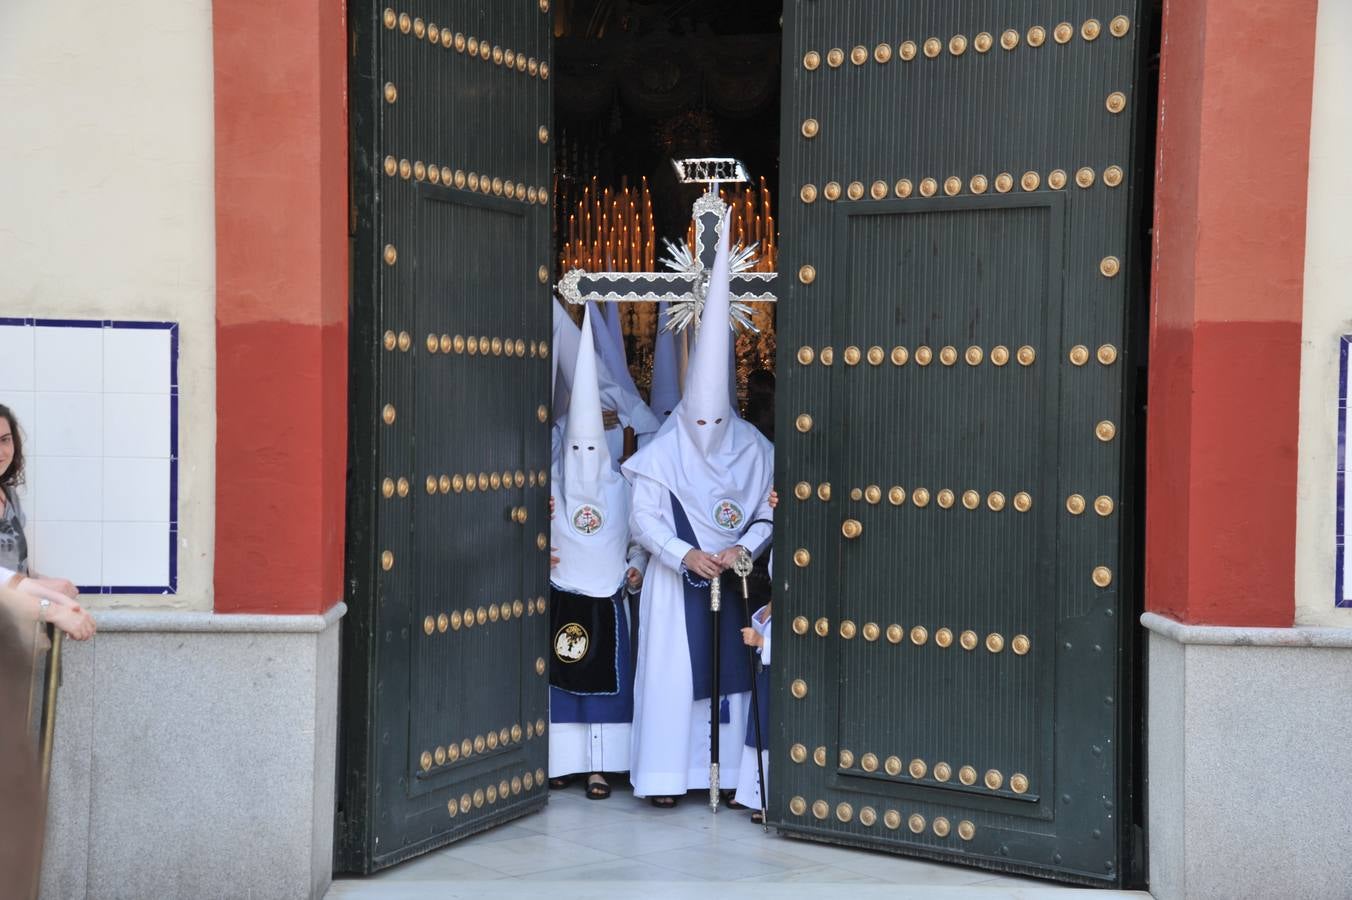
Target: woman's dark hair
14, 474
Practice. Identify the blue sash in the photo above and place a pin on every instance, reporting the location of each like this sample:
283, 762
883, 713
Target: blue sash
734, 675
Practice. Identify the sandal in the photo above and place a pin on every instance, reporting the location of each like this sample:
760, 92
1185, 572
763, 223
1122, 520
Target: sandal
558, 784
663, 802
757, 818
597, 788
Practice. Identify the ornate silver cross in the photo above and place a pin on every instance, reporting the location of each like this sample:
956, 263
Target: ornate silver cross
686, 285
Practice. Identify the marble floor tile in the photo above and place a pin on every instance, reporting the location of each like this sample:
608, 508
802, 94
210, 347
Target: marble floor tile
523, 855
721, 862
629, 841
623, 870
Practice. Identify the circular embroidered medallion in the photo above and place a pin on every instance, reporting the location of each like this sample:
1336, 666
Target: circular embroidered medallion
587, 520
571, 643
728, 515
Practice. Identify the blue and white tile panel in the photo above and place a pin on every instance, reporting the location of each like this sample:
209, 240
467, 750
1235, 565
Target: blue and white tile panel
98, 404
1342, 577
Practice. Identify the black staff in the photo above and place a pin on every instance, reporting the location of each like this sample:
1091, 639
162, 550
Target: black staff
715, 607
743, 568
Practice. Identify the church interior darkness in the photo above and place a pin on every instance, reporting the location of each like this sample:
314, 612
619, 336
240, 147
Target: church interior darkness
639, 83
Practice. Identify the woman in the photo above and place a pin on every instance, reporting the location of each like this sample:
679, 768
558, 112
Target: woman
52, 599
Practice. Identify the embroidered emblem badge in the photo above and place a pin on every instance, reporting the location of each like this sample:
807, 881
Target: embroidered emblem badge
587, 520
728, 515
571, 643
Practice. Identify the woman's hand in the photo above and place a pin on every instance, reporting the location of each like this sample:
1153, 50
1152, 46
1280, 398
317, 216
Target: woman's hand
774, 498
703, 564
635, 578
752, 638
728, 557
72, 619
59, 585
553, 560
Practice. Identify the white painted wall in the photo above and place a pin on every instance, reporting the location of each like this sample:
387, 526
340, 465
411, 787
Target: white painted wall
1328, 314
106, 202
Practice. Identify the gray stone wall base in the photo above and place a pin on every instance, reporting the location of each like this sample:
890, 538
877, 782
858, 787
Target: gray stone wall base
195, 758
1250, 762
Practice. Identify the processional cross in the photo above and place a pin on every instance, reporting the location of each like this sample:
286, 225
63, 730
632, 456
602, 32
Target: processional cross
686, 285
684, 289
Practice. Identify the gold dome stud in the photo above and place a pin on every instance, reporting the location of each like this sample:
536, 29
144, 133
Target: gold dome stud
846, 759
1063, 33
844, 812
387, 560
389, 340
957, 45
944, 499
952, 185
847, 631
943, 638
1009, 39
967, 775
1084, 177
800, 625
1109, 266
892, 766
971, 499
1119, 26
900, 355
917, 769
807, 274
1091, 29
869, 762
1037, 36
859, 55
896, 495
967, 640
1102, 576
1075, 504
940, 826
855, 191
995, 501
907, 50
1018, 783
835, 57
948, 355
391, 92
999, 355
923, 355
821, 809
1004, 182
798, 688
942, 771
973, 356
916, 823
1115, 102
876, 356
797, 806
983, 42
1105, 431
1056, 179
429, 625
388, 413
878, 190
928, 187
831, 191
1079, 355
1107, 354
920, 497
808, 193
851, 529
1103, 505
868, 816
810, 128
390, 255
1026, 355
1030, 181
852, 355
1020, 645
390, 18
812, 60
802, 490
798, 753
903, 188
1023, 501
873, 494
995, 642
801, 558
994, 780
882, 53
978, 184
919, 635
803, 423
824, 491
431, 484
932, 47
895, 634
819, 757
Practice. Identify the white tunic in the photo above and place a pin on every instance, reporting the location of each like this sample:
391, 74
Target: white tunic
670, 748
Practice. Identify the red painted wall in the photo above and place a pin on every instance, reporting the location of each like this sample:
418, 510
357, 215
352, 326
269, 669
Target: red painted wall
281, 304
1231, 165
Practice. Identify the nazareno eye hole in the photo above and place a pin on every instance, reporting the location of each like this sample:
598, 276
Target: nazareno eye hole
575, 446
718, 421
701, 422
591, 448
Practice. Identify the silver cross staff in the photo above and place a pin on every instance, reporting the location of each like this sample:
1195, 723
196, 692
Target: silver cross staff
685, 286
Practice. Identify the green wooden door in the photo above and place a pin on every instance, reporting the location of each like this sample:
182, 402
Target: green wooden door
444, 707
954, 627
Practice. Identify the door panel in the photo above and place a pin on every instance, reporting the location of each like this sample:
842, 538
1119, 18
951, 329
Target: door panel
445, 690
951, 643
